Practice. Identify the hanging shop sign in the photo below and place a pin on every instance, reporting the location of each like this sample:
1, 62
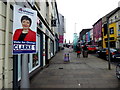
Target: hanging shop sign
53, 23
61, 38
24, 30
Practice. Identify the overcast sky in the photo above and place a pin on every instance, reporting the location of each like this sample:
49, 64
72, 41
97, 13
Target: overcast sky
84, 13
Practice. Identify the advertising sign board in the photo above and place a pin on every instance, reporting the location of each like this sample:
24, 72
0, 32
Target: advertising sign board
24, 30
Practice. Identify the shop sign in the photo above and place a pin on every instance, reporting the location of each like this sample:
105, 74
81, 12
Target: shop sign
53, 23
61, 39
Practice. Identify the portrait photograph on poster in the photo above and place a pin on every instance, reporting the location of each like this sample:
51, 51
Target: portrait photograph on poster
24, 30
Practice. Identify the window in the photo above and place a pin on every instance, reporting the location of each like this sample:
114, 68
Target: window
119, 30
112, 30
111, 20
119, 27
105, 29
35, 58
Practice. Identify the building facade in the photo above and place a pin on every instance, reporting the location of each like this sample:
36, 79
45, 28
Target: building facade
84, 36
61, 30
47, 40
91, 37
97, 33
112, 25
108, 25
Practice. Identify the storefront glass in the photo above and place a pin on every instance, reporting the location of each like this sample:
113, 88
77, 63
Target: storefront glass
33, 60
51, 48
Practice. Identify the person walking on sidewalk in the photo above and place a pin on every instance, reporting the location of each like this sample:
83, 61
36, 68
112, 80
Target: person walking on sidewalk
85, 51
78, 50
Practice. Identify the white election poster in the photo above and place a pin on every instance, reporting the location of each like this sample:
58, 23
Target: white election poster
24, 30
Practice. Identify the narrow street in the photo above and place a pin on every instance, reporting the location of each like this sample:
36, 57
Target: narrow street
91, 72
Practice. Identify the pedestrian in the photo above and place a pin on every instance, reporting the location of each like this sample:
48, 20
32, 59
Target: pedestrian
85, 51
70, 48
78, 50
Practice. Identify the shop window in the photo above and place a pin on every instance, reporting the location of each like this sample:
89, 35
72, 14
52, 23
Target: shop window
35, 61
51, 47
111, 30
112, 44
35, 58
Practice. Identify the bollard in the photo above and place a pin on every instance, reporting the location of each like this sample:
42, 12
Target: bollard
66, 57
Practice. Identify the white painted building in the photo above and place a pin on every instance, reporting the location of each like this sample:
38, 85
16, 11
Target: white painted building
46, 12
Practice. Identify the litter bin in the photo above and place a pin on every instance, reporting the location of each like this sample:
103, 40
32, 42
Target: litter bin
85, 53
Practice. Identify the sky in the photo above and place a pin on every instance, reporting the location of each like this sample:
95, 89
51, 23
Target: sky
82, 14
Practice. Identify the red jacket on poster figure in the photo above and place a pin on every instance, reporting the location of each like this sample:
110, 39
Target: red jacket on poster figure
25, 34
31, 35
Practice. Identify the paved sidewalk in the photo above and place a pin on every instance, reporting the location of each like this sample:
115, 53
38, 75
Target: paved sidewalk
91, 72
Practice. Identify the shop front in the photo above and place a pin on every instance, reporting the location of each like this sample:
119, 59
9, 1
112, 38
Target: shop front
34, 60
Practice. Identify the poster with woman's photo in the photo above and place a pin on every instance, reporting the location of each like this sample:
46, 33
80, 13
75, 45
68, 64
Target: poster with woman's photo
24, 30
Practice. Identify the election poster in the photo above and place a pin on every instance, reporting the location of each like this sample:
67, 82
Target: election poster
24, 30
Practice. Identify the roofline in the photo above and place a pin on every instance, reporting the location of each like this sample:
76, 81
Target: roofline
97, 21
112, 12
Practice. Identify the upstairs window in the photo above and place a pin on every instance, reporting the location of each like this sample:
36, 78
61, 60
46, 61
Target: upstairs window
119, 30
111, 30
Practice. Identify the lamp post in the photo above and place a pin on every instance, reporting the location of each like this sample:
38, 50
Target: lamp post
75, 27
108, 36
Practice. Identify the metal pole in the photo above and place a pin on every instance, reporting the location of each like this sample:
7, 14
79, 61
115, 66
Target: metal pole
15, 72
108, 36
75, 27
25, 72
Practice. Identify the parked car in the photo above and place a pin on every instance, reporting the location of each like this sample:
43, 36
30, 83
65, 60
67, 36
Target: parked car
118, 71
92, 48
114, 53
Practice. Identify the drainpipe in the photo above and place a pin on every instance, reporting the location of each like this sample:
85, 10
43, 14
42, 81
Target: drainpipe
5, 62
